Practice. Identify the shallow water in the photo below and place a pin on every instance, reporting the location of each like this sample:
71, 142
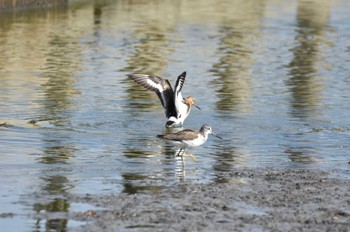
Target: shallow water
272, 79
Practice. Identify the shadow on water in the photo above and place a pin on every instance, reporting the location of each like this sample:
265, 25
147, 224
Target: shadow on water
62, 63
148, 46
237, 35
149, 41
305, 83
138, 179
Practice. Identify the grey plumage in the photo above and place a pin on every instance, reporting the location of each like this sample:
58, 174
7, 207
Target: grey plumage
189, 138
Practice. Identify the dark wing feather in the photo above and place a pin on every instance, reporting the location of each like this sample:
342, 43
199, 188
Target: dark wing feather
179, 83
161, 87
167, 99
152, 83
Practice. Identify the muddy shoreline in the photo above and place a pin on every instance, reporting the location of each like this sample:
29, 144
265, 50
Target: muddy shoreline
251, 200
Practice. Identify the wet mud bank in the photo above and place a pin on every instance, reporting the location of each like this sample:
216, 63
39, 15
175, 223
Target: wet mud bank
249, 199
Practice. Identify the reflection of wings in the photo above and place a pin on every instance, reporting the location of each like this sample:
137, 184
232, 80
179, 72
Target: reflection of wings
162, 88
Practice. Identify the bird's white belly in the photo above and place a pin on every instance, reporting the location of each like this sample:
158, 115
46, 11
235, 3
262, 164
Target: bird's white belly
195, 142
188, 143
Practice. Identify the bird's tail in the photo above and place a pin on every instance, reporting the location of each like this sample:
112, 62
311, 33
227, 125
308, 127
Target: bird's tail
160, 136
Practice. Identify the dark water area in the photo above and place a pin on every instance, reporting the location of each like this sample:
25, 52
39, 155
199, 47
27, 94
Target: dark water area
272, 78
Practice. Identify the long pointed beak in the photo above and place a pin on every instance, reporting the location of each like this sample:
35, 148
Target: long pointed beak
216, 135
197, 106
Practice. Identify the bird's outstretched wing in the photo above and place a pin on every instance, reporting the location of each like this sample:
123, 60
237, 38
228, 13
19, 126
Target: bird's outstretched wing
179, 83
161, 87
178, 99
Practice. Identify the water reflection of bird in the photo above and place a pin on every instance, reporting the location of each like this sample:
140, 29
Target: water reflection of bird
189, 138
176, 107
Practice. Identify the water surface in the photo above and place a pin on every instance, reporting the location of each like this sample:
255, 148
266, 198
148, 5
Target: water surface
271, 77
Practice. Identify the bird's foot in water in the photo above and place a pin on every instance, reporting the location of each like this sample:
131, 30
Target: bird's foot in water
193, 157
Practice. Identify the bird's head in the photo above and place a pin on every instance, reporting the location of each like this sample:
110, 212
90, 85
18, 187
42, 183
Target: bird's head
191, 102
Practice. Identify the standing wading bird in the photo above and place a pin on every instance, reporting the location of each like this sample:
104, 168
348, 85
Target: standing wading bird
176, 107
188, 138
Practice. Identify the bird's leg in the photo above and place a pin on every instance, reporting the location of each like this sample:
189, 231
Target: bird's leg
193, 157
178, 154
